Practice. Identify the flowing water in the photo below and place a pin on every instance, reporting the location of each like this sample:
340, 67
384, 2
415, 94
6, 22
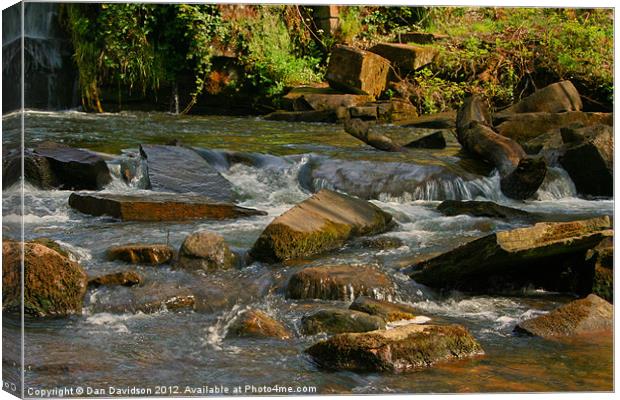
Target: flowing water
283, 164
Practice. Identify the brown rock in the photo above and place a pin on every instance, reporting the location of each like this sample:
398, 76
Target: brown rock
403, 348
124, 278
444, 120
257, 324
53, 284
204, 250
403, 57
157, 207
533, 255
600, 260
357, 71
580, 317
335, 320
433, 141
338, 282
385, 309
140, 253
323, 222
555, 98
321, 99
52, 245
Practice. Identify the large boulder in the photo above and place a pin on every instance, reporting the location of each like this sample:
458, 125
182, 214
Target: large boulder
336, 320
589, 159
587, 316
600, 260
37, 170
323, 222
339, 282
156, 207
516, 258
555, 98
204, 250
141, 253
387, 310
525, 127
182, 170
53, 284
403, 57
395, 350
357, 71
257, 324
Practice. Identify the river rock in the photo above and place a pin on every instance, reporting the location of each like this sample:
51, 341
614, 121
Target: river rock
141, 253
524, 127
204, 250
403, 57
323, 222
338, 282
336, 320
124, 278
395, 350
395, 110
486, 209
49, 243
433, 141
515, 258
157, 207
385, 309
257, 324
589, 159
181, 170
37, 170
587, 316
381, 242
303, 116
555, 98
53, 284
443, 120
600, 260
321, 99
357, 71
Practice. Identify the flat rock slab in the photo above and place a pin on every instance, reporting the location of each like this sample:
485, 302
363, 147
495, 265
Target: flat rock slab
181, 170
387, 310
487, 209
555, 98
533, 255
323, 222
303, 116
339, 282
580, 317
400, 349
336, 320
404, 57
157, 207
141, 253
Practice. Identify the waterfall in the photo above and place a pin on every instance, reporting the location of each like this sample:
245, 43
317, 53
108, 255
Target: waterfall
50, 76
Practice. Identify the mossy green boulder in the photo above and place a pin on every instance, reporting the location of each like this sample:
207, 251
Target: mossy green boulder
53, 284
385, 309
395, 350
336, 320
321, 223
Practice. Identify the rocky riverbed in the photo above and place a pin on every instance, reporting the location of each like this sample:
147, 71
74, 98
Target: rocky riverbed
279, 228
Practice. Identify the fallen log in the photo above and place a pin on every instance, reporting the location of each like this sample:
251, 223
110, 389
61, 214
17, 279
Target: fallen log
361, 130
521, 175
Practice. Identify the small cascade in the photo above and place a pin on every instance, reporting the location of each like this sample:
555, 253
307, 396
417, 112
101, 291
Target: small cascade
50, 80
557, 185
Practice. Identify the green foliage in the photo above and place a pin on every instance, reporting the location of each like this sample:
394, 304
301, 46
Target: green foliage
384, 20
350, 24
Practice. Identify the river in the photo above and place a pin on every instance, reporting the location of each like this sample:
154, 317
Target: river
106, 346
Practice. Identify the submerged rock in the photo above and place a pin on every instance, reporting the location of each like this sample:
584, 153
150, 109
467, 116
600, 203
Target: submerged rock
157, 207
385, 309
323, 222
338, 282
335, 320
487, 209
124, 278
53, 284
204, 250
396, 350
257, 324
555, 98
357, 71
141, 253
589, 159
381, 242
182, 170
433, 141
587, 316
403, 57
515, 258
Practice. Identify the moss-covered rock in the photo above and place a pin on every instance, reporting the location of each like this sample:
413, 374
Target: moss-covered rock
257, 324
323, 222
338, 282
336, 320
204, 250
47, 242
124, 278
385, 309
141, 253
404, 348
580, 317
53, 284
